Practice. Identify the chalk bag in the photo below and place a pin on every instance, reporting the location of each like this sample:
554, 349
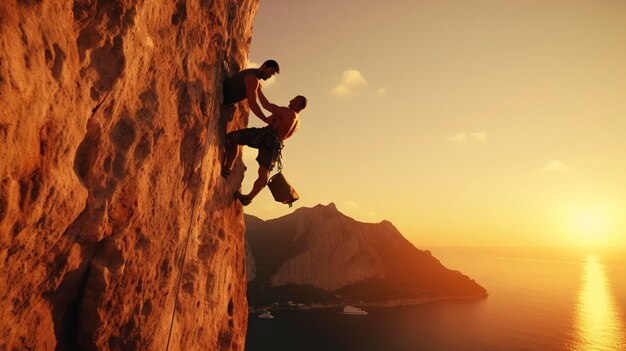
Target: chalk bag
282, 191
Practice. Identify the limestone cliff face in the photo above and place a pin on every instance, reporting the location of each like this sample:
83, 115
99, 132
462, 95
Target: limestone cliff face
116, 230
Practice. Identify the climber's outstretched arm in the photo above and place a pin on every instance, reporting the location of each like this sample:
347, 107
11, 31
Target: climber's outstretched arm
252, 85
265, 103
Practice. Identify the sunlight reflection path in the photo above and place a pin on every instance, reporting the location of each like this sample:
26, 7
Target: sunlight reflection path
598, 325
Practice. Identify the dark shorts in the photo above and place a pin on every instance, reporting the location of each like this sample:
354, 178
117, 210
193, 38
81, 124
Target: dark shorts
264, 140
229, 99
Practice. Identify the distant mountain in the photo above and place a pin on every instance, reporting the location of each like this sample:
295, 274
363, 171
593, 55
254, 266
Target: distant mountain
319, 255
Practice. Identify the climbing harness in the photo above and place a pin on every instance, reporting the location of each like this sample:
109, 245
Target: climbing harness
280, 188
266, 137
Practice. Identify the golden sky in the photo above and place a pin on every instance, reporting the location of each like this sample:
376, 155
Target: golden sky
461, 122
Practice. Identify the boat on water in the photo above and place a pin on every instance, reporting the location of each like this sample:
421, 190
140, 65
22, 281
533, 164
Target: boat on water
353, 310
266, 315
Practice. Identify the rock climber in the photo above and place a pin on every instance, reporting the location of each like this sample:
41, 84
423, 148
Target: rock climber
283, 122
245, 85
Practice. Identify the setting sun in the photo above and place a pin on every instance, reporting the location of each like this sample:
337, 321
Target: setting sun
590, 227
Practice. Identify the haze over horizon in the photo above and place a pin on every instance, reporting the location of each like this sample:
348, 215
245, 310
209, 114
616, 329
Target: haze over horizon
491, 123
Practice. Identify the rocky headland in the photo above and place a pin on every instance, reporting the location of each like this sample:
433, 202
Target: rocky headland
321, 257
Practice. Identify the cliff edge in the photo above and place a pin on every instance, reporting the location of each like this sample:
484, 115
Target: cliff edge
116, 230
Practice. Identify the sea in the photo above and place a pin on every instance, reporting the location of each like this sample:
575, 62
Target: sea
539, 299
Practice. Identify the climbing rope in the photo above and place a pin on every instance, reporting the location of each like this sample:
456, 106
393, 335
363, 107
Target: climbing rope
195, 202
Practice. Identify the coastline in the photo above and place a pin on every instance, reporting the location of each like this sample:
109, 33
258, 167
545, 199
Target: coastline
386, 304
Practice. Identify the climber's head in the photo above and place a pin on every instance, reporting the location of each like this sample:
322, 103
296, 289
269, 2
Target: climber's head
298, 103
268, 69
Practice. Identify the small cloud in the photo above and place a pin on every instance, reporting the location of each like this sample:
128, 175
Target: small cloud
458, 138
341, 90
479, 137
351, 81
353, 78
463, 137
555, 166
381, 92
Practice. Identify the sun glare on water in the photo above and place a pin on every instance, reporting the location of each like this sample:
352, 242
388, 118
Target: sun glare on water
598, 324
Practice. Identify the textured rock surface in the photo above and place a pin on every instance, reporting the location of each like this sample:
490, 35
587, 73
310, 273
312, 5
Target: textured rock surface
106, 184
322, 248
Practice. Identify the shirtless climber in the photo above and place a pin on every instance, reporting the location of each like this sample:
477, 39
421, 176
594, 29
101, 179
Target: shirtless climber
269, 140
246, 85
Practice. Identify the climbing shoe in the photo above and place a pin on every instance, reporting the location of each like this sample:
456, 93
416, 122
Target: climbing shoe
226, 172
242, 198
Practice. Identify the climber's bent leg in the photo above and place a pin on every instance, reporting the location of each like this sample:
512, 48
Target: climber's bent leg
259, 183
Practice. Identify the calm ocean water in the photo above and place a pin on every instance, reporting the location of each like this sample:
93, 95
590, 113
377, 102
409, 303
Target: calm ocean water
539, 300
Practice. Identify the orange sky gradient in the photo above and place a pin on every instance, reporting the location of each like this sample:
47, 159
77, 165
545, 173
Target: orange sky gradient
463, 123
